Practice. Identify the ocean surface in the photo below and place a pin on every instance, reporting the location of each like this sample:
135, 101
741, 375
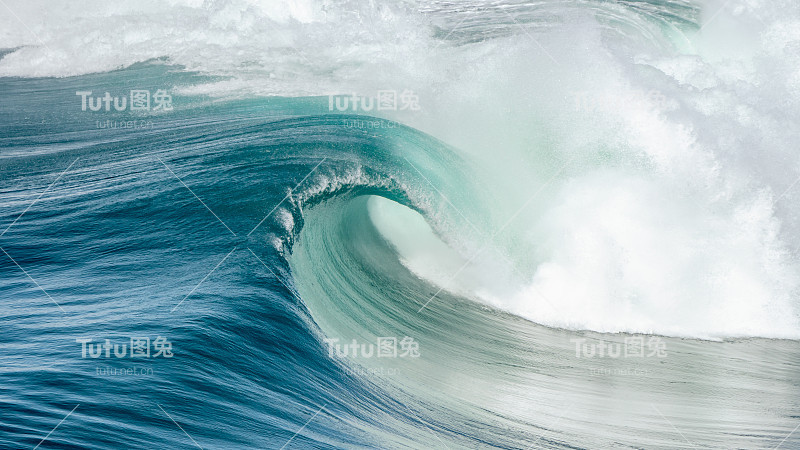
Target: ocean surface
400, 225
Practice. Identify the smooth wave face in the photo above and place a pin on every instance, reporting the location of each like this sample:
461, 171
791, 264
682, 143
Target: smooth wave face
580, 179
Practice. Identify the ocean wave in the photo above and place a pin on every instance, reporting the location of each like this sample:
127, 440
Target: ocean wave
576, 180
